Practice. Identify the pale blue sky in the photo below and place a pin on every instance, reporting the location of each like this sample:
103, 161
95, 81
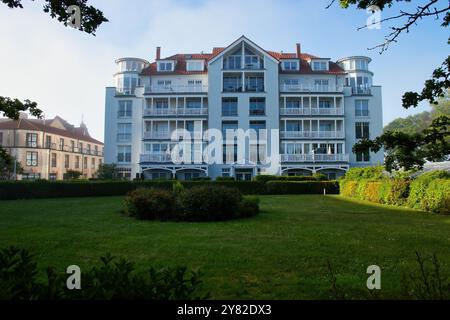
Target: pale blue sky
67, 71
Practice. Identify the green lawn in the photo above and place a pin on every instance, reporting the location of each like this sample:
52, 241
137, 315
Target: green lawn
282, 253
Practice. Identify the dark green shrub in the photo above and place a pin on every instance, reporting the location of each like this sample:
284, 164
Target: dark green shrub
225, 179
209, 203
266, 178
111, 280
302, 187
437, 197
419, 187
249, 206
202, 179
150, 204
319, 177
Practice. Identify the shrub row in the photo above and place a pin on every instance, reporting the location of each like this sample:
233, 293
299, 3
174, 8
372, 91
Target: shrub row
37, 190
204, 203
315, 177
302, 187
430, 192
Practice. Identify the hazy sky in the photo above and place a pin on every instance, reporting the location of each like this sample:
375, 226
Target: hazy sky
66, 71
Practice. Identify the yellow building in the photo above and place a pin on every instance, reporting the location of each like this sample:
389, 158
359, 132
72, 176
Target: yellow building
47, 149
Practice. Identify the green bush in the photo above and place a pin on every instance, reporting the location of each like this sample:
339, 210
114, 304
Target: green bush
437, 197
419, 187
266, 178
348, 187
225, 179
373, 191
249, 206
398, 192
366, 173
302, 187
112, 280
319, 177
209, 203
150, 204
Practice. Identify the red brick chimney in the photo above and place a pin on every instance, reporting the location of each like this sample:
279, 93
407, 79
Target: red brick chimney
299, 51
158, 53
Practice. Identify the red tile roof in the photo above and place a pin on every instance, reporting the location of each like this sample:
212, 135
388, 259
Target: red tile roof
180, 68
70, 131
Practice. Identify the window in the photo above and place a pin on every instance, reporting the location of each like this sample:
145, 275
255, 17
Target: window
80, 147
88, 149
164, 84
96, 150
292, 103
61, 144
125, 109
252, 62
165, 66
229, 107
361, 108
193, 103
48, 142
232, 62
66, 161
362, 130
363, 156
195, 82
72, 145
257, 106
124, 132
254, 83
320, 65
229, 127
195, 66
226, 172
124, 154
85, 159
32, 159
32, 140
290, 65
161, 103
324, 104
1, 138
31, 176
126, 84
77, 162
360, 64
232, 83
53, 160
291, 82
257, 126
92, 163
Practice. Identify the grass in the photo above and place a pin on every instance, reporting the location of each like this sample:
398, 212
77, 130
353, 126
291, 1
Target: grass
280, 254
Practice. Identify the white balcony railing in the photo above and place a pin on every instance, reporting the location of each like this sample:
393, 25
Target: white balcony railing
313, 88
176, 89
312, 134
176, 112
361, 90
164, 135
312, 111
314, 157
156, 157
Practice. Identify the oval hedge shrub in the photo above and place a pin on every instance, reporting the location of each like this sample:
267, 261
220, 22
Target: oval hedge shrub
209, 203
150, 204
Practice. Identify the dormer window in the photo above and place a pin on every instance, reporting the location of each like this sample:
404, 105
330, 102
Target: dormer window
195, 65
320, 65
165, 66
290, 65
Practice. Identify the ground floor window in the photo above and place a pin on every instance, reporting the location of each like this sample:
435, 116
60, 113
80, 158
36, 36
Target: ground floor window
31, 176
52, 177
226, 172
244, 174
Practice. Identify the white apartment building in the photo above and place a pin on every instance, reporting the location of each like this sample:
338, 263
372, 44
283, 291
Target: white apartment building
318, 107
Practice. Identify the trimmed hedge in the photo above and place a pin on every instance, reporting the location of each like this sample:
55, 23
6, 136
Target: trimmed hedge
266, 178
44, 189
427, 192
302, 187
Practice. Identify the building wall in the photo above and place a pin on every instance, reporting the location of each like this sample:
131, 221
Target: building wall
14, 141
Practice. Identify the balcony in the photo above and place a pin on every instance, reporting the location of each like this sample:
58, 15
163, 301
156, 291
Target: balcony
312, 111
164, 135
171, 89
314, 158
299, 88
361, 91
312, 134
155, 112
156, 157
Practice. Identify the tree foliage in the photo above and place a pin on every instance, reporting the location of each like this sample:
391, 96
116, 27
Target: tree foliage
412, 150
107, 171
7, 166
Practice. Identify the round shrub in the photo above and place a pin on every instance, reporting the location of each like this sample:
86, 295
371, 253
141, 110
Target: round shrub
209, 203
150, 204
249, 207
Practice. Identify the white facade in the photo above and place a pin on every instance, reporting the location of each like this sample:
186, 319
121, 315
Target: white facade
318, 108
